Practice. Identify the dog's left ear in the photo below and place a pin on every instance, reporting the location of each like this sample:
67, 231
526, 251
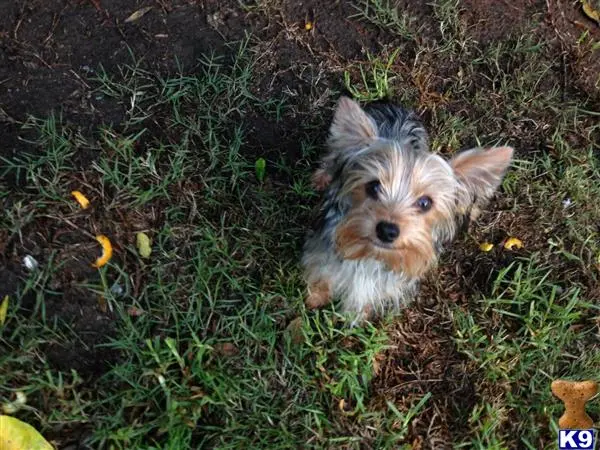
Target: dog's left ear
480, 173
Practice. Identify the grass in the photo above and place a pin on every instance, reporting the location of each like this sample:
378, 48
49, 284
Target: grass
203, 338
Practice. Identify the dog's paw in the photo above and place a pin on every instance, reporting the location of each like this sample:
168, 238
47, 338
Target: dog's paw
319, 295
316, 300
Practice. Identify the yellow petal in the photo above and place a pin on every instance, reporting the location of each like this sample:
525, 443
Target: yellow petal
81, 199
3, 310
17, 435
513, 243
144, 245
486, 246
592, 13
106, 251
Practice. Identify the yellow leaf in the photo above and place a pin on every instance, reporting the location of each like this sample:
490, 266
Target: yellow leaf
308, 26
3, 310
589, 11
17, 435
513, 243
486, 246
81, 199
138, 14
144, 245
106, 251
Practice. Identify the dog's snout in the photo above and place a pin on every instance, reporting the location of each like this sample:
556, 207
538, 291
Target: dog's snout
387, 232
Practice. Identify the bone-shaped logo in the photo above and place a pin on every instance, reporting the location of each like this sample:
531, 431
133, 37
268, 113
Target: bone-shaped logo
575, 395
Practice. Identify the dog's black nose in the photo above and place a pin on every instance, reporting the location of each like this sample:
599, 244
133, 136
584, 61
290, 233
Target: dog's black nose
387, 232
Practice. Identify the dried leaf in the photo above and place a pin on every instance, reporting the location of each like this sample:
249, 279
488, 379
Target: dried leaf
81, 199
144, 245
590, 11
17, 435
486, 246
106, 251
102, 305
294, 329
226, 349
3, 310
513, 243
138, 14
134, 312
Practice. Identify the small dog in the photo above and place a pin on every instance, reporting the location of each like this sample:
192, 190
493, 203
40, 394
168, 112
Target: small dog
389, 207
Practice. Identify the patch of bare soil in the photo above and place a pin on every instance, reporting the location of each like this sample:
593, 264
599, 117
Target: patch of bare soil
491, 20
424, 360
575, 35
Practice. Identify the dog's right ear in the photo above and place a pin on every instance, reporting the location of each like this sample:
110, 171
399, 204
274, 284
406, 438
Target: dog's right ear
351, 129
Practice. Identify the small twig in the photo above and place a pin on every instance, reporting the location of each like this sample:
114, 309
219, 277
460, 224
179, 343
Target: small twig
71, 224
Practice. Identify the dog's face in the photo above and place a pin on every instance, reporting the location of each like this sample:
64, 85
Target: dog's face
403, 200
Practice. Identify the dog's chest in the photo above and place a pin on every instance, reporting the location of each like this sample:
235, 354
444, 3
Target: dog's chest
369, 283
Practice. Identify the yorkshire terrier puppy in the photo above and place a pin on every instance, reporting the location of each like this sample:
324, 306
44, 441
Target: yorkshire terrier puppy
389, 207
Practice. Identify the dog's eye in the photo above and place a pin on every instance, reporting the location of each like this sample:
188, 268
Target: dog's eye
373, 189
424, 203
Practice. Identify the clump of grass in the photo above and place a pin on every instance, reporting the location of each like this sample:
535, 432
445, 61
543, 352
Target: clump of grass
376, 77
385, 15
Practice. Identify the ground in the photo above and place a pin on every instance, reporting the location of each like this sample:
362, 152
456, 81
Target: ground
162, 122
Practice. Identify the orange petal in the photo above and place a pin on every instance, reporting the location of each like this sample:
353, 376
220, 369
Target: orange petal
106, 251
81, 199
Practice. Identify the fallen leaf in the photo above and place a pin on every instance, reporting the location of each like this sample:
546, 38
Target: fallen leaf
486, 246
346, 408
14, 406
513, 243
81, 199
138, 14
21, 398
144, 245
294, 329
3, 310
226, 349
260, 167
9, 408
106, 251
590, 11
18, 435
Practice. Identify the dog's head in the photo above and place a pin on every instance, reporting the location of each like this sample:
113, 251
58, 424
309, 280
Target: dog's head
403, 200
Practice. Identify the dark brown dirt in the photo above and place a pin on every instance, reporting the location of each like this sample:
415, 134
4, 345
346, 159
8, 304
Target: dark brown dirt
423, 360
48, 51
490, 20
